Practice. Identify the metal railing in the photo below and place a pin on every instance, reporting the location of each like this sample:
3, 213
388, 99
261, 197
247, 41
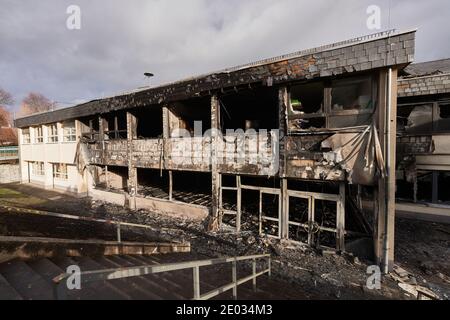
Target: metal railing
60, 282
9, 153
117, 224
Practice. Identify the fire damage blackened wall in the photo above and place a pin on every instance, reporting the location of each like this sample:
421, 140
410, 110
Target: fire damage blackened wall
149, 122
192, 187
185, 114
250, 109
183, 186
153, 183
115, 125
423, 151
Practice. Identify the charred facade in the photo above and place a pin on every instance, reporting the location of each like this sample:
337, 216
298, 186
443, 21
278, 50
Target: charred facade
283, 146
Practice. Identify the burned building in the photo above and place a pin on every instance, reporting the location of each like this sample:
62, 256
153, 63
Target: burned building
281, 146
423, 152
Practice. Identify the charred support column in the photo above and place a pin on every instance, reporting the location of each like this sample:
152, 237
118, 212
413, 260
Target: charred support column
216, 178
132, 171
341, 218
385, 216
435, 188
283, 100
166, 136
238, 203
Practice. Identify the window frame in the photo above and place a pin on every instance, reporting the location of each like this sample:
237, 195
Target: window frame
59, 174
327, 111
26, 136
38, 135
38, 168
52, 137
71, 136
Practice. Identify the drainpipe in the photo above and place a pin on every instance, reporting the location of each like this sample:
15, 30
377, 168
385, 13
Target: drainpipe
388, 173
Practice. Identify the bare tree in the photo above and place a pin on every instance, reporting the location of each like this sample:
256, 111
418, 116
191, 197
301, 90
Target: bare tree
6, 98
34, 103
5, 117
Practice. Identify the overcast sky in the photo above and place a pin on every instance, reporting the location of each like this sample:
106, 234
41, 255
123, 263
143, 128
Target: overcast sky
120, 40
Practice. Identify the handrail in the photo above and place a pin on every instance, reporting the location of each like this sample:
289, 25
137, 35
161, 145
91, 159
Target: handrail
121, 273
118, 224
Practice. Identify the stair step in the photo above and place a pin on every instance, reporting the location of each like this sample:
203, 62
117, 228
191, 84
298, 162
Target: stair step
7, 292
28, 283
46, 269
134, 287
99, 290
166, 279
151, 281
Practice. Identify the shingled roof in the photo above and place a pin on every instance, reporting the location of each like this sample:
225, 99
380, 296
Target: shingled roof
359, 54
428, 68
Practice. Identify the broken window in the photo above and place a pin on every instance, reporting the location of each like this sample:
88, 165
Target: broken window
251, 109
307, 98
352, 94
115, 126
149, 121
190, 118
444, 111
352, 102
89, 127
415, 119
306, 107
442, 120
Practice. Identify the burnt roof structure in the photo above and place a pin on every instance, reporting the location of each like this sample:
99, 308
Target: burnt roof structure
428, 68
425, 79
378, 50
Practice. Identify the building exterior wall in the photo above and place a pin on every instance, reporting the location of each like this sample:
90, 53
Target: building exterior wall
9, 173
355, 145
50, 153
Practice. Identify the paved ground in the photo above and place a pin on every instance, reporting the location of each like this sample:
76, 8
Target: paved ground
422, 248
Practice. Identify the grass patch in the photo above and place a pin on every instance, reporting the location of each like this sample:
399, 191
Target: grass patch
10, 193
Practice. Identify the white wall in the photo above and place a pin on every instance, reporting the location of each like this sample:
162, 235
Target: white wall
49, 153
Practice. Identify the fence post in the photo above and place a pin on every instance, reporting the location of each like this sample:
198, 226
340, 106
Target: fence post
254, 274
234, 275
270, 266
59, 293
196, 277
119, 238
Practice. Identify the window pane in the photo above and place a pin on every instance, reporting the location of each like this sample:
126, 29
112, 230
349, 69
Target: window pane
352, 94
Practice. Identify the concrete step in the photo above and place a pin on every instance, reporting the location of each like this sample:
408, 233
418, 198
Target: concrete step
152, 282
28, 283
166, 279
7, 292
100, 290
47, 269
134, 287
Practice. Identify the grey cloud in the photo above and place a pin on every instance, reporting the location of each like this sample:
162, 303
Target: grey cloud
120, 40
